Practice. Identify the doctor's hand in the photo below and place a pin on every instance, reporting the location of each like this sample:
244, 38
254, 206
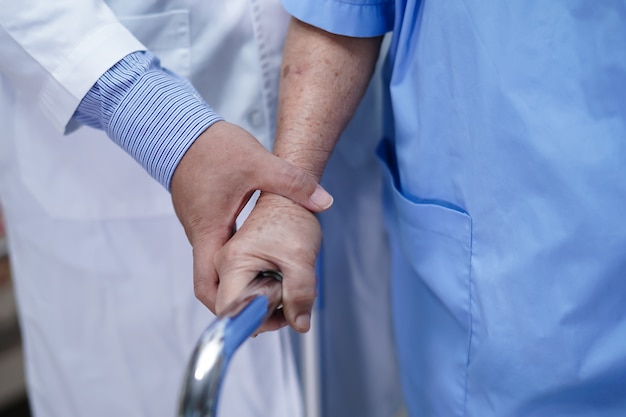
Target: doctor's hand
279, 235
212, 183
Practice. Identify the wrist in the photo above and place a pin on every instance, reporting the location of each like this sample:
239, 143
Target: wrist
307, 155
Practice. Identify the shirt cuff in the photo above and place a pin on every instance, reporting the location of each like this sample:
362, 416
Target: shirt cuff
151, 113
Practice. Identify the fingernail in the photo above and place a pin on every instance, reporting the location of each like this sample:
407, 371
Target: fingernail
303, 322
321, 198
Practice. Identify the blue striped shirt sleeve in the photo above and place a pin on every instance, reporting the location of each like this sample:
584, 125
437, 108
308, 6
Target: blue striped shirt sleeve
151, 113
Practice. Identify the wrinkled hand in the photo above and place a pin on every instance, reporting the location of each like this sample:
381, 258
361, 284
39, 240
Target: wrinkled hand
212, 183
281, 235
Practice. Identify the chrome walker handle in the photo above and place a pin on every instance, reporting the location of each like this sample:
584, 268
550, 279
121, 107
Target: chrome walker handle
219, 342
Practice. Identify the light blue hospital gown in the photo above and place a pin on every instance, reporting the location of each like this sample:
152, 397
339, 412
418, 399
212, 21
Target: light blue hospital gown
505, 155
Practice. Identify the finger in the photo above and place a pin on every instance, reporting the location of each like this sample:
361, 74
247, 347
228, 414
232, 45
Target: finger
234, 281
299, 293
280, 177
205, 277
205, 280
229, 289
274, 322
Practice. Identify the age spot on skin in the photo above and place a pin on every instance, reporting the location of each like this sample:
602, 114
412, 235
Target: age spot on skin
286, 71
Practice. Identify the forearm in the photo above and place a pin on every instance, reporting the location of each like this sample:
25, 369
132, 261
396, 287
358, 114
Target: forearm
323, 78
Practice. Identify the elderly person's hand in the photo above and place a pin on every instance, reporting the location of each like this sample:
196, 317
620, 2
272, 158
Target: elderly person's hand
280, 235
212, 183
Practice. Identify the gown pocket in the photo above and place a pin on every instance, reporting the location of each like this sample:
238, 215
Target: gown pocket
431, 295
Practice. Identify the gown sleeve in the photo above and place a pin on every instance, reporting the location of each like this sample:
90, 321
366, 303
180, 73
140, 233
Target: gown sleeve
356, 18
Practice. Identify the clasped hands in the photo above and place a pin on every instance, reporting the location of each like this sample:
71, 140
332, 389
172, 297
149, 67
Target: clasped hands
210, 186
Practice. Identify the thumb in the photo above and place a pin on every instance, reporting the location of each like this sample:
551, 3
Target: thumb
205, 278
295, 184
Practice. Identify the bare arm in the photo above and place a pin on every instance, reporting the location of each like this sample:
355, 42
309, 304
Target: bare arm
324, 76
323, 79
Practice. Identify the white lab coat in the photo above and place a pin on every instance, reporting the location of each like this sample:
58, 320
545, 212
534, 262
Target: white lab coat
102, 266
